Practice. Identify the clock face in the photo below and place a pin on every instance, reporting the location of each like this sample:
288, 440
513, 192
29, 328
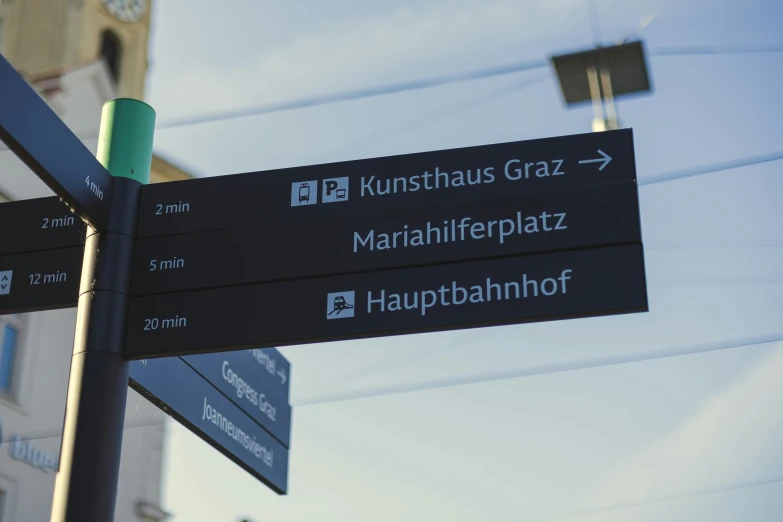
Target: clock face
125, 10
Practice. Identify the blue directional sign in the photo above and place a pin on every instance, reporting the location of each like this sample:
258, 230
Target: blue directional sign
183, 393
39, 138
256, 381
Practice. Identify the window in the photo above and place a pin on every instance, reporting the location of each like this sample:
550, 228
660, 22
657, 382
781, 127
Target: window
8, 489
111, 51
9, 345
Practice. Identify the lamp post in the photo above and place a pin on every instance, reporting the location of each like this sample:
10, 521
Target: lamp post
601, 74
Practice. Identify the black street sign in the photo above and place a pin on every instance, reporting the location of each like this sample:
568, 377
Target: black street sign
498, 234
245, 378
387, 184
561, 285
43, 280
38, 224
180, 391
528, 223
40, 138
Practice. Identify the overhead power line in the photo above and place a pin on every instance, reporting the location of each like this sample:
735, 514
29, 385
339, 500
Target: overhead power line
342, 96
594, 20
670, 498
357, 94
698, 50
413, 85
435, 116
540, 370
711, 168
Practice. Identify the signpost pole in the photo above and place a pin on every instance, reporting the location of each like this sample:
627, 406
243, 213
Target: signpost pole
86, 485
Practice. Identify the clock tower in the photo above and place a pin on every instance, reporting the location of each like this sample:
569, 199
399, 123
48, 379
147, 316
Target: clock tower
41, 37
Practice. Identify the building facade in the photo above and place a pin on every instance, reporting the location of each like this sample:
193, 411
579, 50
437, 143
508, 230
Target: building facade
43, 36
77, 54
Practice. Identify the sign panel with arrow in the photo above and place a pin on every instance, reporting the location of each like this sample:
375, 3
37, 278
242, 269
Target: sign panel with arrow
254, 380
400, 183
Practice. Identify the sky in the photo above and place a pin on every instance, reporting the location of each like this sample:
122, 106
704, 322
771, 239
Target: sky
668, 415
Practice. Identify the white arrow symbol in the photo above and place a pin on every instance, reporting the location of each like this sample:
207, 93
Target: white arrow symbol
606, 159
283, 378
5, 282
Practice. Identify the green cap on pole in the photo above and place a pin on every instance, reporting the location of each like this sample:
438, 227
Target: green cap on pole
125, 139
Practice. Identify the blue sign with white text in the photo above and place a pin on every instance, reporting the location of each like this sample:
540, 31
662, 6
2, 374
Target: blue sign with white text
255, 380
182, 392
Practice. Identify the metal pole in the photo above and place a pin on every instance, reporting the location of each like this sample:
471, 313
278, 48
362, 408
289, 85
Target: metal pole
612, 123
85, 489
599, 119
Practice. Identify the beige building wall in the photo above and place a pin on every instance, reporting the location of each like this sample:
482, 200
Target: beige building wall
49, 36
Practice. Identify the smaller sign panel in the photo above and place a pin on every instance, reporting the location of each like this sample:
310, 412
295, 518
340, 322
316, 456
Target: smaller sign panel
180, 391
368, 186
39, 138
507, 290
245, 377
43, 280
39, 224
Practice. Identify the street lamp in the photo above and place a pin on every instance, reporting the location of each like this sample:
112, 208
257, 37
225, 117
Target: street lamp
601, 74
